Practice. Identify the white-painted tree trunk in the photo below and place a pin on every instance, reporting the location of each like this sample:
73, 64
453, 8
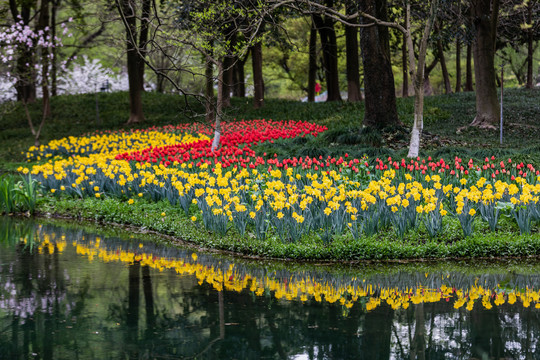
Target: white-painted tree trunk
418, 125
416, 69
219, 107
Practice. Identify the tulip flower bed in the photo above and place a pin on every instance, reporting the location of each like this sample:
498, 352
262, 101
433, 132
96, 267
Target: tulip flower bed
293, 199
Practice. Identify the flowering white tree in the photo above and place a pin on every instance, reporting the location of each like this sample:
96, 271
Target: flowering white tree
90, 76
20, 36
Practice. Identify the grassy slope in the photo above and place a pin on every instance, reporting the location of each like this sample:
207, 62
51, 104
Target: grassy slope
75, 115
444, 114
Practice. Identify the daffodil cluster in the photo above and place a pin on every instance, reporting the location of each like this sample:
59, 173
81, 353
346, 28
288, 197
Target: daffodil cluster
290, 199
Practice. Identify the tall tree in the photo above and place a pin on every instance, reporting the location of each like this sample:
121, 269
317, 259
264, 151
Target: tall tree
485, 15
312, 70
468, 70
143, 39
442, 59
518, 28
44, 27
353, 66
416, 68
258, 82
127, 11
378, 77
327, 32
24, 70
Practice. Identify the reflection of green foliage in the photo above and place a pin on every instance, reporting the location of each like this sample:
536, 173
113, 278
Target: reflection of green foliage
12, 231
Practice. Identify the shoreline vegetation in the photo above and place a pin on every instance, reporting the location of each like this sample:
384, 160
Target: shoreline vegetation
318, 190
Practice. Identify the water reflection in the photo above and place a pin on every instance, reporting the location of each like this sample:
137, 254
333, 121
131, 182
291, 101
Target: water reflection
68, 293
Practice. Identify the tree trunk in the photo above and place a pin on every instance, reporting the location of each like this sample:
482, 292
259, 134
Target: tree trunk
530, 50
442, 60
228, 65
485, 14
239, 84
219, 107
209, 91
468, 75
43, 25
353, 66
418, 124
329, 49
312, 71
416, 69
54, 70
227, 81
26, 76
428, 89
378, 77
405, 72
143, 39
135, 101
258, 82
458, 65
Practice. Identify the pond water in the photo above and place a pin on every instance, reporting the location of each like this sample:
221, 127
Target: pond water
67, 293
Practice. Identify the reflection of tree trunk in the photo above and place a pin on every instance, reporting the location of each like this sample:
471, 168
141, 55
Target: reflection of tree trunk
353, 67
221, 315
312, 62
418, 345
276, 337
528, 354
258, 82
132, 320
15, 337
148, 300
486, 334
377, 333
378, 76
